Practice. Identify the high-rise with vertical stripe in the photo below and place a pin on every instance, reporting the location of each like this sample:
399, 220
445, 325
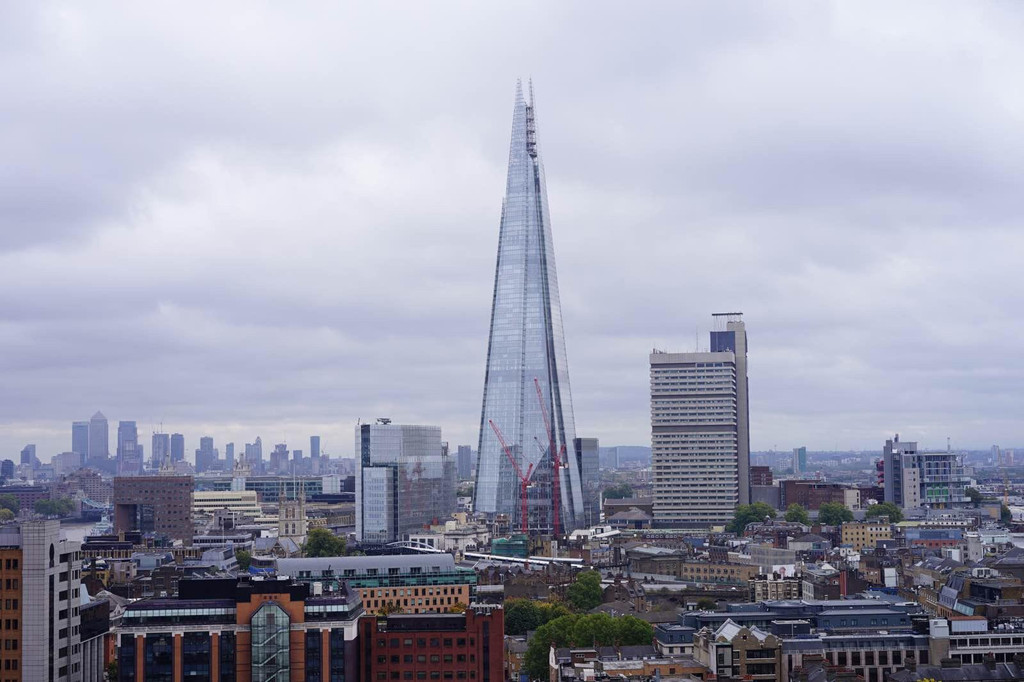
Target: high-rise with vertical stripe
700, 438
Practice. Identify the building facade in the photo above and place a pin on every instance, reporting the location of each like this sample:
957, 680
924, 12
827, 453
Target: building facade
99, 437
799, 460
40, 589
80, 439
913, 479
463, 646
240, 630
700, 441
405, 480
177, 447
129, 460
418, 583
866, 534
465, 462
588, 459
526, 395
161, 505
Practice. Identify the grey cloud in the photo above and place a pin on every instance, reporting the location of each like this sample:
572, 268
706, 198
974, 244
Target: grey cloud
245, 220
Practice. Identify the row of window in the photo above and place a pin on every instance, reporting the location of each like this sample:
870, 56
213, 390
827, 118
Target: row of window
423, 675
422, 642
422, 658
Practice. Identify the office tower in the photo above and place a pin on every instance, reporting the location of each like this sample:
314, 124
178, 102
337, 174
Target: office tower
7, 469
935, 480
80, 439
99, 437
206, 455
799, 460
161, 455
588, 459
404, 480
270, 629
154, 504
465, 462
314, 447
296, 455
28, 455
129, 451
527, 381
254, 455
700, 439
229, 456
177, 447
41, 598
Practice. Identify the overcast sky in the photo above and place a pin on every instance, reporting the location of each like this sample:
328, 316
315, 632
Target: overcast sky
261, 219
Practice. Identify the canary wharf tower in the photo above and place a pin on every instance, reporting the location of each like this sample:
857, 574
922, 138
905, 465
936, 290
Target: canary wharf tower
527, 467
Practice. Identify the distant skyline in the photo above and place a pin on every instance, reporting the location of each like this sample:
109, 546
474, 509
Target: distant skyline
271, 222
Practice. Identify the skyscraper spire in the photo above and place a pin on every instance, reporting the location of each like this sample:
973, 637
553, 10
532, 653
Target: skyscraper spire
526, 387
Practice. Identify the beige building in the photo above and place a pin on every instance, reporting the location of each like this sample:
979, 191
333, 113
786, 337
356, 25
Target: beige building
737, 652
865, 534
767, 587
243, 502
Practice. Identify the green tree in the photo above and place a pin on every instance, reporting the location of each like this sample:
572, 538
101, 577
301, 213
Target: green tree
9, 501
111, 671
749, 513
322, 542
706, 604
244, 559
618, 492
521, 616
834, 514
558, 633
389, 608
631, 631
457, 607
596, 627
797, 514
6, 515
586, 592
975, 496
59, 507
889, 509
1005, 515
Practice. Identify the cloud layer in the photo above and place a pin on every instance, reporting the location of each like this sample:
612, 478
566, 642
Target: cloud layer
248, 220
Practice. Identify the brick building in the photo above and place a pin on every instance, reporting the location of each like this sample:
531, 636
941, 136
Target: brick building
161, 505
448, 646
760, 475
811, 494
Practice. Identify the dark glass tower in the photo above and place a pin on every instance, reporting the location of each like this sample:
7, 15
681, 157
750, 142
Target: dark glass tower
527, 376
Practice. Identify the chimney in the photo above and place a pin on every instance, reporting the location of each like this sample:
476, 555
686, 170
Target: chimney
989, 660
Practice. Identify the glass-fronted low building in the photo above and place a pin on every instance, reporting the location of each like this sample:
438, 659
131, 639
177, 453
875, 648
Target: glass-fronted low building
241, 629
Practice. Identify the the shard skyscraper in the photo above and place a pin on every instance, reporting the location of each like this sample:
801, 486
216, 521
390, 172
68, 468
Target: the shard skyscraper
527, 401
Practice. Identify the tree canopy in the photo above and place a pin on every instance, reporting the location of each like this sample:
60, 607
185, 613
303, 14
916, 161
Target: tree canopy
523, 615
322, 542
975, 496
749, 513
1005, 515
797, 514
834, 514
244, 559
618, 492
595, 629
586, 592
889, 509
59, 507
9, 501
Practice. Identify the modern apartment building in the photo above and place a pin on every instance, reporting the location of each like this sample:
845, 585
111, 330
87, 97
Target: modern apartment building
161, 505
700, 437
40, 596
923, 479
452, 646
405, 480
240, 630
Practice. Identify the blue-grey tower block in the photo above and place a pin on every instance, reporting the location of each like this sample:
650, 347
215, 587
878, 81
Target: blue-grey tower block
527, 349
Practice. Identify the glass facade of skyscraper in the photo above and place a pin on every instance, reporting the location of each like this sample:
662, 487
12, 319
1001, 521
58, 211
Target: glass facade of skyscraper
404, 481
527, 350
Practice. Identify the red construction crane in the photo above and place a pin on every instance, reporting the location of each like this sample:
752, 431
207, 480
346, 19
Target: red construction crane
556, 464
524, 480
